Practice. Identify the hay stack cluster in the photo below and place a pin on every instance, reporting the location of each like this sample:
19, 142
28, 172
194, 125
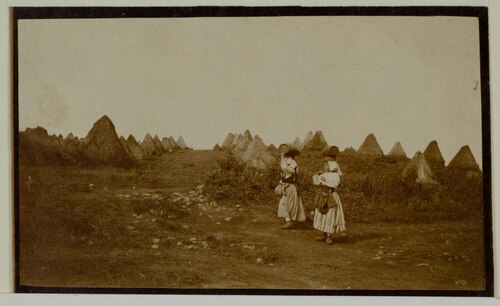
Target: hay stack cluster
101, 146
252, 150
36, 146
149, 147
237, 142
432, 161
153, 146
316, 142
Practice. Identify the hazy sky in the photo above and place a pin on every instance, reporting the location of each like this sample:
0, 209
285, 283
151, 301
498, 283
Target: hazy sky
408, 79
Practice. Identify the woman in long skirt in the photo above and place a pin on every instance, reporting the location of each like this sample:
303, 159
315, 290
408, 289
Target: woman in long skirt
329, 213
290, 206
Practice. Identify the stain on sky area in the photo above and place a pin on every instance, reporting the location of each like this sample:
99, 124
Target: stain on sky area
51, 106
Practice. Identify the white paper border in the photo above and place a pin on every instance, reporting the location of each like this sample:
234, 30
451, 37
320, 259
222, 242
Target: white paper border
6, 230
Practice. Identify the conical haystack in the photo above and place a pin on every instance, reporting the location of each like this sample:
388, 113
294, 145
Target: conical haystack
102, 146
317, 142
433, 155
397, 151
308, 138
122, 140
70, 137
182, 144
242, 144
125, 146
37, 147
216, 147
166, 144
158, 145
173, 144
124, 143
39, 134
370, 147
419, 170
464, 160
257, 154
237, 139
134, 147
54, 140
349, 151
228, 142
248, 135
297, 143
148, 146
70, 143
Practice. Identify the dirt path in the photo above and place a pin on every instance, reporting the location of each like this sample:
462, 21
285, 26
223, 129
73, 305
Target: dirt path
133, 243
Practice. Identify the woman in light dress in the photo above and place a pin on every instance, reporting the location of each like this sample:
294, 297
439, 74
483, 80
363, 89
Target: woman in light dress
329, 213
290, 206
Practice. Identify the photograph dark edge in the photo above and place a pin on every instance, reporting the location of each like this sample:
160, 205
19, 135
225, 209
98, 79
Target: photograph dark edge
481, 13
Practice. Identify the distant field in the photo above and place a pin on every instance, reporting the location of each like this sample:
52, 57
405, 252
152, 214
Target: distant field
121, 228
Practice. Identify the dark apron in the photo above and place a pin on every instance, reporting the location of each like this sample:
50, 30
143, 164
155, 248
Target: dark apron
323, 200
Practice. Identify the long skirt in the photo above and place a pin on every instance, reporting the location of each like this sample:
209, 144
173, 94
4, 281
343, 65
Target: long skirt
333, 221
290, 205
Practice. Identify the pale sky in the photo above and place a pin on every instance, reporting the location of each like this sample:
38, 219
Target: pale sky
408, 79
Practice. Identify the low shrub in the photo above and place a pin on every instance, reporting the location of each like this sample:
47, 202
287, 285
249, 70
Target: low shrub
371, 190
233, 180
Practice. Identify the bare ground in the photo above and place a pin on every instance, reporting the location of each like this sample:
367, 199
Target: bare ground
123, 231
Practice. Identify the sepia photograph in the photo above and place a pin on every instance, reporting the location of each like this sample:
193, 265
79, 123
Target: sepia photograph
252, 150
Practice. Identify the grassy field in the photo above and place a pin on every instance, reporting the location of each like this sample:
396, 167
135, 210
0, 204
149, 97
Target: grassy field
124, 228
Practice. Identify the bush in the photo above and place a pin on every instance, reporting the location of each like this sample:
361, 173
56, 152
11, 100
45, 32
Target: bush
233, 180
371, 190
